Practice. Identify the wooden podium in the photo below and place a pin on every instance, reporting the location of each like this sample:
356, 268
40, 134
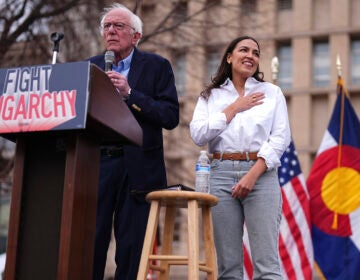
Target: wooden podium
53, 207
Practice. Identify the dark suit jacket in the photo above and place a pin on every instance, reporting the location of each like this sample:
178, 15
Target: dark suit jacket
154, 103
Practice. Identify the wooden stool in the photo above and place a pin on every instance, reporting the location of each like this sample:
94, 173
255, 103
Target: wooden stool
179, 199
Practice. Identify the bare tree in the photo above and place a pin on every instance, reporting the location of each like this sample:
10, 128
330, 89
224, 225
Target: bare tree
26, 22
25, 26
169, 27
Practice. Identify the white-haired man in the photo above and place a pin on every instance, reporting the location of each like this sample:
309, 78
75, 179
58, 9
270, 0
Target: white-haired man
128, 172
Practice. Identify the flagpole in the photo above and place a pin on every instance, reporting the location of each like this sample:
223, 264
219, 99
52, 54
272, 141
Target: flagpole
340, 90
274, 69
338, 65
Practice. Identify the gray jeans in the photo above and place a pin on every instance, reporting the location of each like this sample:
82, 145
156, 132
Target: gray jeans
260, 209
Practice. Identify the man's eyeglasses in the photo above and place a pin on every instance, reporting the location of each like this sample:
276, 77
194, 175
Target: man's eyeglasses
120, 26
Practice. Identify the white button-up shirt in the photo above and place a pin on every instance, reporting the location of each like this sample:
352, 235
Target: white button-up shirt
263, 128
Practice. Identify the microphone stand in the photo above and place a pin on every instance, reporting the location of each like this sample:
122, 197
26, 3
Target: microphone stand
56, 38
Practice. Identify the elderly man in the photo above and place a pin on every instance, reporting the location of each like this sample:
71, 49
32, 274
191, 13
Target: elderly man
146, 82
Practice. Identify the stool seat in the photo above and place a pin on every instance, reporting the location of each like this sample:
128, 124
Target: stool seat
180, 198
171, 200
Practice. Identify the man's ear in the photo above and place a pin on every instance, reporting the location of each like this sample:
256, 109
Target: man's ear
137, 37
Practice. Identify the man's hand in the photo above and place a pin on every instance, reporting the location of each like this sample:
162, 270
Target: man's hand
120, 82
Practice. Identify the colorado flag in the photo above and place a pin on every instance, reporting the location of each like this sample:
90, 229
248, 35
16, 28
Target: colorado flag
334, 188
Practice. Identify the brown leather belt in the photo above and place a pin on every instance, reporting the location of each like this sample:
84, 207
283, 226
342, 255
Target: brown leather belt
236, 156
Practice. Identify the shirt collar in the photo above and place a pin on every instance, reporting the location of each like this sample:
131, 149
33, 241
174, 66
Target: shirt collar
124, 64
249, 81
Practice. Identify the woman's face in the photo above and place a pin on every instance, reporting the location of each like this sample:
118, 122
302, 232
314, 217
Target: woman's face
244, 59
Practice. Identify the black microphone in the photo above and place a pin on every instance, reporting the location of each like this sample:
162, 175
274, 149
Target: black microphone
109, 59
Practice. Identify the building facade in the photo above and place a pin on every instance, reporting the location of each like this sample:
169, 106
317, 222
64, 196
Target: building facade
306, 35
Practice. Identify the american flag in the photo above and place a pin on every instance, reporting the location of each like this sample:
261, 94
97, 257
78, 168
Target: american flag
295, 244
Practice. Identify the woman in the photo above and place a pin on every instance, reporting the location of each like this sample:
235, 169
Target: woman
244, 121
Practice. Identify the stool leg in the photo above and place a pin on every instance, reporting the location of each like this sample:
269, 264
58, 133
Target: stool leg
150, 235
193, 240
168, 236
210, 254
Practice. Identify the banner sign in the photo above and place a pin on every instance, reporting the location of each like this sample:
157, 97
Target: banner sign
44, 97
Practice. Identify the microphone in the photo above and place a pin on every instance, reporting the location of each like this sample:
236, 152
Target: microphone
56, 38
109, 59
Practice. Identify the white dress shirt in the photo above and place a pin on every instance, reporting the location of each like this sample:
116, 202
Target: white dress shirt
263, 128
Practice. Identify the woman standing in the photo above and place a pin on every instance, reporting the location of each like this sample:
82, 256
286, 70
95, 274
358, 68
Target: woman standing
245, 123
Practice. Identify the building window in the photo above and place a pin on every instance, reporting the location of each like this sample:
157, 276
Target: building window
355, 62
148, 5
4, 217
213, 2
284, 5
284, 53
321, 64
212, 63
248, 7
181, 11
180, 73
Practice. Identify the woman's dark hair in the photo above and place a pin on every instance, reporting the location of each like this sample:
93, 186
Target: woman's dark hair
224, 70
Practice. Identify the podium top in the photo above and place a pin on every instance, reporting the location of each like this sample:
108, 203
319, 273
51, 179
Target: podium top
66, 96
107, 109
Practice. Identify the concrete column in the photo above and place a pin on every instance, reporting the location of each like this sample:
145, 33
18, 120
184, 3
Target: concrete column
302, 20
300, 105
340, 13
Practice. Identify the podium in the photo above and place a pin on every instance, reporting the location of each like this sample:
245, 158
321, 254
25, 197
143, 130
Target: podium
54, 195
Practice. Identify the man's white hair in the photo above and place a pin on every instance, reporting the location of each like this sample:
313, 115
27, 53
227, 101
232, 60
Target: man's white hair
135, 21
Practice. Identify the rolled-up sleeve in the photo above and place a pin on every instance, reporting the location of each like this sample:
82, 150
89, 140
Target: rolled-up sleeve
205, 127
280, 135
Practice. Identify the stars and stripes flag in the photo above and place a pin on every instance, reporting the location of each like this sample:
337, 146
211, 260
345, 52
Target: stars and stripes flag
295, 245
334, 188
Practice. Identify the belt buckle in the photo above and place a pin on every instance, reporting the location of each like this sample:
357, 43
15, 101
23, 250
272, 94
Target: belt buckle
106, 152
221, 156
247, 156
111, 152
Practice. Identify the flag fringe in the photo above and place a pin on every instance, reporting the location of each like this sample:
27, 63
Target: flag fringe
319, 272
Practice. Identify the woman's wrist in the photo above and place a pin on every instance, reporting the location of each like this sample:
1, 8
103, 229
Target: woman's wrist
230, 113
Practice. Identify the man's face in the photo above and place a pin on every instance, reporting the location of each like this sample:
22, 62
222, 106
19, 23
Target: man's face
119, 36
